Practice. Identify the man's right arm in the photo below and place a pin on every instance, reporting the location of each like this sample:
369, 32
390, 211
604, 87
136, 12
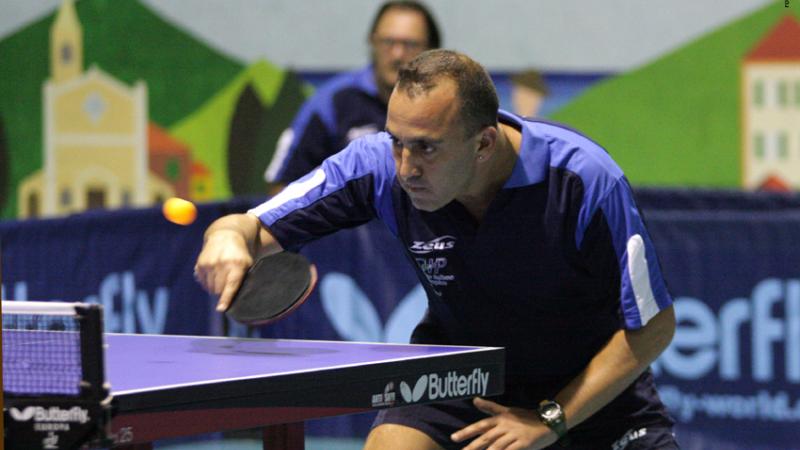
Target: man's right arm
230, 246
349, 189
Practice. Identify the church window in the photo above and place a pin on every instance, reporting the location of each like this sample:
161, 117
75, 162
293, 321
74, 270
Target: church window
783, 93
33, 205
66, 197
759, 146
783, 146
758, 93
797, 93
94, 106
66, 53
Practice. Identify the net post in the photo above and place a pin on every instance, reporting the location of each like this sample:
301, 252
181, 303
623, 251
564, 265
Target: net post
93, 384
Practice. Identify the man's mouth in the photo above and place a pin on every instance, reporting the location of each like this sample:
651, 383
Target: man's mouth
413, 188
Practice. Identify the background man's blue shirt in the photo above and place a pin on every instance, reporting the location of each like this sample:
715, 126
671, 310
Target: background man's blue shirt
343, 109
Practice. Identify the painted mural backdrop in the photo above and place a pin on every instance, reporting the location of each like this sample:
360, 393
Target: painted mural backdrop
722, 111
105, 104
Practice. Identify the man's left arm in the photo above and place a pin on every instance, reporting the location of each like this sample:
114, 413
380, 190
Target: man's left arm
626, 355
615, 367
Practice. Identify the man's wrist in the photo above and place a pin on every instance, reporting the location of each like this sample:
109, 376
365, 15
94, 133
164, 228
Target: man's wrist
222, 233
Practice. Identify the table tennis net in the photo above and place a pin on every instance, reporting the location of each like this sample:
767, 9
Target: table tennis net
43, 348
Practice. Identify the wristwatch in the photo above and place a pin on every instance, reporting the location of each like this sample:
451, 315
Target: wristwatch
552, 415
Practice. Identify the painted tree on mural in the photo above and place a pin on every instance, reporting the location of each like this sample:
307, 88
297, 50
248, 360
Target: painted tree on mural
254, 133
247, 142
5, 178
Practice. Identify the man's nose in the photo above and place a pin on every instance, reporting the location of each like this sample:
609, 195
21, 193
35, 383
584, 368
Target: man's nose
407, 166
399, 51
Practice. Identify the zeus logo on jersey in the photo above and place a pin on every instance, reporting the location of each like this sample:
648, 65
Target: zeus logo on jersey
440, 243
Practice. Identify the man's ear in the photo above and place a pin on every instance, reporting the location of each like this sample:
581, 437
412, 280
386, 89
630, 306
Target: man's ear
487, 144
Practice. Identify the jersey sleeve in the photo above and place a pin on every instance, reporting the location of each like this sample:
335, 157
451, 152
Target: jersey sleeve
347, 190
617, 242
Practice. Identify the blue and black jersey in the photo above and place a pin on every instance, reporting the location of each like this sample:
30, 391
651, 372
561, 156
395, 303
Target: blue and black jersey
343, 109
560, 261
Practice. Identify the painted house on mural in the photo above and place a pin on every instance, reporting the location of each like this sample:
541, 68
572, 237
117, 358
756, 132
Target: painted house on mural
170, 159
97, 138
771, 110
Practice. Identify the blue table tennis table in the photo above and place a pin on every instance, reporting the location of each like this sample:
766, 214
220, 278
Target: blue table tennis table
170, 386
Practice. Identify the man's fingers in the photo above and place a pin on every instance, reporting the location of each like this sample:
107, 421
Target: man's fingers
231, 285
516, 445
504, 442
225, 298
489, 407
198, 276
485, 440
472, 430
208, 281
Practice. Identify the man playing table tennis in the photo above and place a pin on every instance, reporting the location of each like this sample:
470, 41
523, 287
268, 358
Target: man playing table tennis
524, 234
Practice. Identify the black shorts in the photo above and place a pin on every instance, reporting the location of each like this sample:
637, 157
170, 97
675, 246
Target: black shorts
440, 420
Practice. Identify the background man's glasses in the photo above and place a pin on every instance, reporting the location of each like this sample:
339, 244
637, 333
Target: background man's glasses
389, 43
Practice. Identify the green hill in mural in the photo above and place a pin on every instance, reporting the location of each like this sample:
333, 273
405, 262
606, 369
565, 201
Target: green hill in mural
676, 121
260, 103
123, 38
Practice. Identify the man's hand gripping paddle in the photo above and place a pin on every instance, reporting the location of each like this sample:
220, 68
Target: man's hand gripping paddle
275, 286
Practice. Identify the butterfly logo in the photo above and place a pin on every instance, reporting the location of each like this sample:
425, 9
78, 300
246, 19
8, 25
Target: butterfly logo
355, 318
410, 396
24, 415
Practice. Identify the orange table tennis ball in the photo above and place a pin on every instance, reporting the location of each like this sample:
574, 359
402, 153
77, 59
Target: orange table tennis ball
179, 211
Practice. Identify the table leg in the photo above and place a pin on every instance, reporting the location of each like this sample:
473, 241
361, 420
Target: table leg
290, 436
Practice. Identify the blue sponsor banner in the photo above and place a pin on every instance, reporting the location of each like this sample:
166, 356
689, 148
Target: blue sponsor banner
731, 377
134, 263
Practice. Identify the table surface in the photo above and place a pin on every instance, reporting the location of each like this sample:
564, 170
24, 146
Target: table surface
167, 386
138, 363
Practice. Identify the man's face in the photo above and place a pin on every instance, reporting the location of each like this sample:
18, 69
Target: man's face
401, 35
435, 161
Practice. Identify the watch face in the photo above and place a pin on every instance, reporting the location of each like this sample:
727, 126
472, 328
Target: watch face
550, 411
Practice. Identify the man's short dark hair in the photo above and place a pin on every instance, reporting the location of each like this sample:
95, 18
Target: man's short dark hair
434, 40
475, 88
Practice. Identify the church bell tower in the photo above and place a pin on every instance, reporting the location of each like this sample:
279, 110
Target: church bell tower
66, 44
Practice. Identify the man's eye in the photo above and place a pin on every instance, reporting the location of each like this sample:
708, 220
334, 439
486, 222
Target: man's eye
424, 149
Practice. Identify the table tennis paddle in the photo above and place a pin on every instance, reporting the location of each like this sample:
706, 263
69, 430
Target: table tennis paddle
274, 286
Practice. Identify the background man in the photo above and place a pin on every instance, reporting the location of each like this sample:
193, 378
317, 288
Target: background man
528, 92
354, 104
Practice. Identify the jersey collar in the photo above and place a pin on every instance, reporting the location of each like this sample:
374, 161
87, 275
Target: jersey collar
532, 163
